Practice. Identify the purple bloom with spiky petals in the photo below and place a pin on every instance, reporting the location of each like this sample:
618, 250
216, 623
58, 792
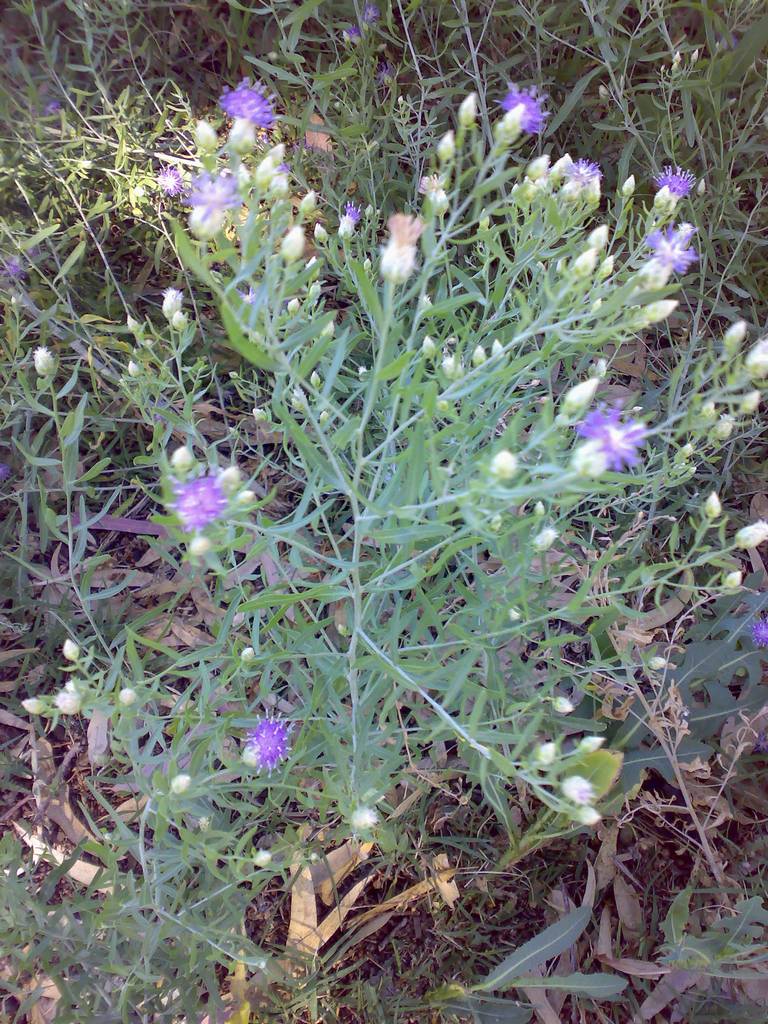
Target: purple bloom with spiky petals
170, 181
584, 173
534, 115
12, 268
249, 297
385, 72
371, 14
618, 440
266, 745
199, 502
671, 248
352, 33
353, 211
250, 103
678, 181
214, 195
760, 632
5, 472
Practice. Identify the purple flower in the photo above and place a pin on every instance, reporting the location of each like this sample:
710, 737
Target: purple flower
583, 173
284, 168
533, 117
266, 745
249, 102
169, 180
371, 14
352, 33
248, 297
51, 107
618, 441
5, 472
385, 72
760, 632
12, 269
214, 195
678, 181
671, 248
353, 211
199, 502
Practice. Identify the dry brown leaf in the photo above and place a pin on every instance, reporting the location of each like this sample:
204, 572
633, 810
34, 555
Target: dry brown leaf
16, 652
628, 907
315, 138
605, 863
81, 871
756, 990
54, 805
537, 997
370, 928
444, 879
303, 936
590, 889
604, 936
637, 968
132, 807
335, 918
673, 985
400, 900
98, 737
8, 718
329, 873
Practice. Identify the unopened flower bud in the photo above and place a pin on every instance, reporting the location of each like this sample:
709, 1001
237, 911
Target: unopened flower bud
68, 701
446, 148
262, 858
584, 264
321, 235
598, 239
451, 366
468, 111
428, 346
367, 264
45, 361
724, 427
292, 245
589, 744
588, 815
654, 312
732, 580
179, 320
510, 125
545, 754
497, 349
503, 465
514, 614
545, 538
328, 330
708, 412
133, 325
538, 509
577, 398
537, 168
127, 696
701, 188
756, 362
657, 663
734, 336
134, 370
242, 137
562, 705
664, 201
182, 459
478, 356
606, 268
750, 402
247, 654
230, 479
323, 417
628, 188
205, 137
578, 790
293, 306
560, 168
199, 546
70, 650
712, 506
180, 784
752, 536
308, 203
33, 705
246, 497
589, 460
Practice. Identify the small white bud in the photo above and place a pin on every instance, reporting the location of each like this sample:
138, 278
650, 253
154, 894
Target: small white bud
483, 223
428, 347
562, 705
664, 201
293, 306
598, 239
497, 349
308, 203
750, 402
45, 361
262, 858
657, 663
133, 325
70, 650
724, 427
654, 274
732, 580
127, 696
468, 111
205, 137
588, 816
538, 509
246, 497
328, 330
292, 245
134, 370
180, 784
734, 336
242, 137
321, 235
314, 291
577, 398
537, 168
230, 479
323, 417
628, 188
363, 819
708, 412
686, 451
756, 362
603, 93
701, 188
503, 465
346, 226
33, 705
478, 356
179, 320
657, 311
606, 268
510, 126
589, 460
260, 414
712, 506
205, 223
446, 148
514, 614
560, 168
752, 536
578, 790
398, 262
68, 701
199, 546
265, 173
589, 744
496, 522
545, 754
584, 264
451, 366
545, 538
182, 459
247, 654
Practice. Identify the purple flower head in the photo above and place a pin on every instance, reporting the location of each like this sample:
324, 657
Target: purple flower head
534, 116
12, 269
618, 441
249, 102
5, 472
51, 107
214, 195
249, 297
583, 172
671, 247
371, 14
352, 33
284, 168
266, 745
678, 181
760, 632
199, 502
385, 72
353, 211
170, 181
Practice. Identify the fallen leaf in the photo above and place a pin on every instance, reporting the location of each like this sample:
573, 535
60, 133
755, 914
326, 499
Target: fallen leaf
81, 871
444, 880
605, 862
604, 936
303, 936
8, 718
98, 737
315, 138
54, 804
673, 985
328, 873
637, 968
545, 1012
628, 907
335, 918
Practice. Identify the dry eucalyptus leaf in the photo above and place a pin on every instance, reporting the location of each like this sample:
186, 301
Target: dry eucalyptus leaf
316, 138
335, 918
628, 907
98, 738
54, 804
668, 989
303, 936
444, 879
329, 873
81, 871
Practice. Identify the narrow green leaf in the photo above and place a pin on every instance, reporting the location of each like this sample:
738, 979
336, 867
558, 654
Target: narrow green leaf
551, 942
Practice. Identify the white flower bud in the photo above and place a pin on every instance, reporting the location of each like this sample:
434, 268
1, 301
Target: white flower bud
588, 816
292, 245
664, 201
598, 239
497, 349
657, 311
750, 402
537, 168
603, 92
514, 614
199, 546
230, 479
724, 427
260, 414
329, 330
68, 702
446, 148
756, 362
589, 460
732, 580
545, 538
538, 509
510, 126
182, 459
133, 325
70, 650
308, 203
562, 705
346, 226
127, 696
752, 536
584, 264
265, 172
424, 302
734, 336
701, 188
428, 346
134, 370
545, 754
708, 412
172, 302
179, 321
654, 274
560, 168
242, 136
204, 223
686, 451
451, 366
33, 705
262, 858
315, 379
468, 111
367, 264
363, 819
628, 188
478, 356
503, 465
246, 497
606, 268
577, 398
712, 506
324, 417
279, 187
247, 654
180, 784
45, 361
578, 790
206, 139
397, 262
657, 663
589, 744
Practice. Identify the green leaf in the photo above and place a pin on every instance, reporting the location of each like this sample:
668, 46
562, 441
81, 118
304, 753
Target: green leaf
551, 942
367, 291
597, 986
676, 921
601, 768
71, 260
